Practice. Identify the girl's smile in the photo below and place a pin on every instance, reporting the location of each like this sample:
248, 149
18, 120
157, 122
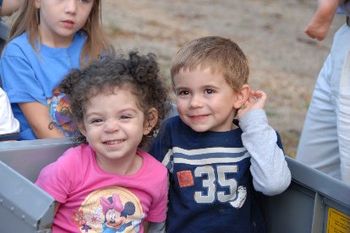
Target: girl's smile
113, 126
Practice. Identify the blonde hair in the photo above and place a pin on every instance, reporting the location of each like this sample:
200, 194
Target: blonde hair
217, 53
27, 20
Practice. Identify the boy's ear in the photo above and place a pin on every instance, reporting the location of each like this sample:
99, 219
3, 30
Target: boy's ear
241, 96
151, 119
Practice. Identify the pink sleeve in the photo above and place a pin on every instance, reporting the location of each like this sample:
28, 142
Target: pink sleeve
56, 179
158, 208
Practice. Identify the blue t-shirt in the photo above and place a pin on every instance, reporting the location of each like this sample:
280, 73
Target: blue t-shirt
30, 75
210, 186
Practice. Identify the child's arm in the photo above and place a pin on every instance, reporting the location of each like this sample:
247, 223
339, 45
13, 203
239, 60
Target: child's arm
39, 119
256, 100
154, 227
269, 168
9, 6
24, 88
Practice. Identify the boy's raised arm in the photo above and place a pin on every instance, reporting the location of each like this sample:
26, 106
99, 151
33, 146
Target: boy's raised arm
269, 168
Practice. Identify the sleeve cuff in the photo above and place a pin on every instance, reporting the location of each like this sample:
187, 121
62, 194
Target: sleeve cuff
253, 118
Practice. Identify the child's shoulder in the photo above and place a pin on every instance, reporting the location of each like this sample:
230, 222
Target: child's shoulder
76, 155
173, 122
151, 161
19, 40
172, 126
17, 45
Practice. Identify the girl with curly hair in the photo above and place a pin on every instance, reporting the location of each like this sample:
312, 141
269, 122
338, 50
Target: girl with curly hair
116, 103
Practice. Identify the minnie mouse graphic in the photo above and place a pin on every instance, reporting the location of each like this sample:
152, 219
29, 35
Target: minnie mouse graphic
116, 214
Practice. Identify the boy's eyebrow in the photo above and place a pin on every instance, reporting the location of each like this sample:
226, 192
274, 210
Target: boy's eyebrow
204, 86
180, 87
210, 86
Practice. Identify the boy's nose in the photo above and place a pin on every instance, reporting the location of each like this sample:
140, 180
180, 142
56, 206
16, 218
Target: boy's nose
196, 101
71, 6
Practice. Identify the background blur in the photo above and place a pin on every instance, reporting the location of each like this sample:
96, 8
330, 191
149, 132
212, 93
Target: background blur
284, 61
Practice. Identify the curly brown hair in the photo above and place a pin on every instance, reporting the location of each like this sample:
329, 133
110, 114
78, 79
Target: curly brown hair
139, 72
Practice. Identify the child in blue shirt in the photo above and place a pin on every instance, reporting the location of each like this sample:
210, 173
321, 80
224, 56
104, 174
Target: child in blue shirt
218, 165
47, 40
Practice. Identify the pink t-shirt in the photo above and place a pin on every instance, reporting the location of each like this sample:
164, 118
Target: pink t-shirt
92, 200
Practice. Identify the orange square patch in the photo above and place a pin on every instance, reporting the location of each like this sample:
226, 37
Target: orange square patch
185, 178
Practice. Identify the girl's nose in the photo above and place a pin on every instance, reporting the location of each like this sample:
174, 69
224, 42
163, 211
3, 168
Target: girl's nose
111, 126
71, 6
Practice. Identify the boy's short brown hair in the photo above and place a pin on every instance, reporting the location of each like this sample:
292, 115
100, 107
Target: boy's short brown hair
217, 53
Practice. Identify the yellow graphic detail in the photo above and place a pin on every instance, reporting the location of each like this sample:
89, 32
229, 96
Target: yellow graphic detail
338, 222
113, 209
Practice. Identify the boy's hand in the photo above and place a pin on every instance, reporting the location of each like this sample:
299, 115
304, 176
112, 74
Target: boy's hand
256, 100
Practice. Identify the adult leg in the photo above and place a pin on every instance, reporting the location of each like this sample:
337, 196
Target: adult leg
342, 58
318, 145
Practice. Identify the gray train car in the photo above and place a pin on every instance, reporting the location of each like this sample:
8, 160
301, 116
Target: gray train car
314, 202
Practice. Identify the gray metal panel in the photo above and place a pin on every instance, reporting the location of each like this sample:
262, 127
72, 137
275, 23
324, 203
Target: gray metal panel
24, 207
29, 157
315, 180
303, 207
291, 211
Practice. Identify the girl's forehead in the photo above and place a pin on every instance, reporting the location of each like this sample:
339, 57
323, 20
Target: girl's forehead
107, 88
125, 92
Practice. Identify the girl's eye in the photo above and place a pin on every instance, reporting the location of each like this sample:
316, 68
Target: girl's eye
95, 121
125, 117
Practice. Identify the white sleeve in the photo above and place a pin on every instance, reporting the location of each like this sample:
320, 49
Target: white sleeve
8, 123
269, 168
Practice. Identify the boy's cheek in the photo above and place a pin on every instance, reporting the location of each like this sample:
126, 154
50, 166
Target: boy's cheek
179, 103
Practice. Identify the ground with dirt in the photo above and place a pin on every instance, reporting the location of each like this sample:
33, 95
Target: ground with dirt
284, 62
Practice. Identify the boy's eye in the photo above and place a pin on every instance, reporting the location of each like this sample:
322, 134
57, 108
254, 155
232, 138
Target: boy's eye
209, 91
85, 1
182, 92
